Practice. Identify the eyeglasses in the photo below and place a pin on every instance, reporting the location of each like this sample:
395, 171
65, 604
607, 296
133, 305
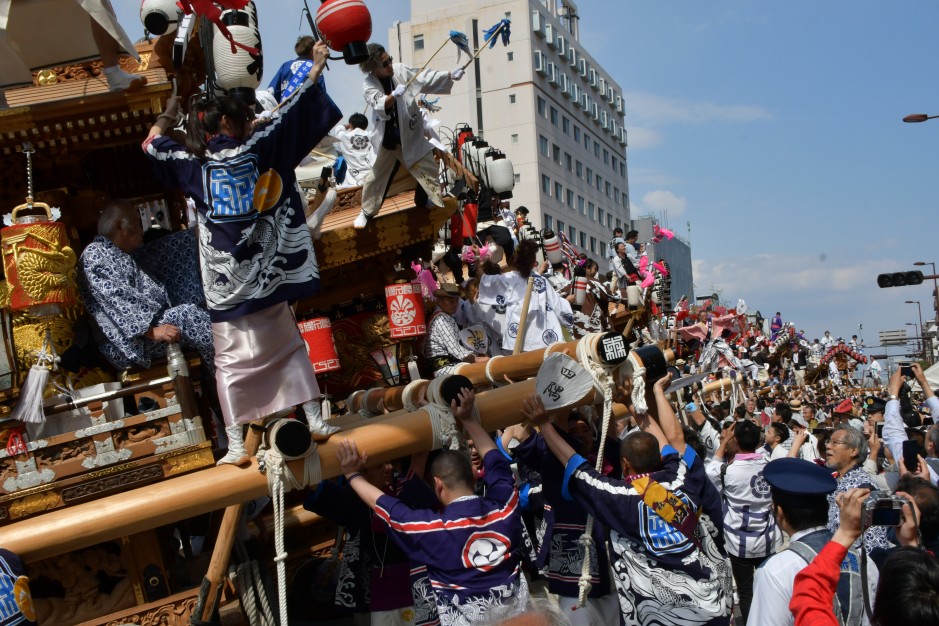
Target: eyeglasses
387, 62
835, 442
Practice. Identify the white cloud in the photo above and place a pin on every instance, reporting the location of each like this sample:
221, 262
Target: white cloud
647, 108
661, 201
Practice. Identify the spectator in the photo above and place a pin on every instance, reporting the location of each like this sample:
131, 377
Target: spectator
799, 491
846, 451
776, 435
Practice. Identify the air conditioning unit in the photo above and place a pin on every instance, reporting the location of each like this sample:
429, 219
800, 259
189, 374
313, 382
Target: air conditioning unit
603, 119
567, 85
552, 74
610, 95
562, 45
584, 101
582, 67
622, 136
619, 104
572, 57
575, 92
614, 128
595, 111
602, 86
539, 62
593, 78
537, 23
549, 34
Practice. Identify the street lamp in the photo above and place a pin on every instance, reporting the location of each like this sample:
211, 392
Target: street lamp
918, 348
922, 336
915, 118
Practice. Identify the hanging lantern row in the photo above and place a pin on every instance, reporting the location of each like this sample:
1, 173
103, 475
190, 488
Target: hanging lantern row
488, 164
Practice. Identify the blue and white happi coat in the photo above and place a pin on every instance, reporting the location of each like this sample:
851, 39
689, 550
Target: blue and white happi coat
549, 315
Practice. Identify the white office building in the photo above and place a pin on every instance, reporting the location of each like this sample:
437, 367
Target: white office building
542, 99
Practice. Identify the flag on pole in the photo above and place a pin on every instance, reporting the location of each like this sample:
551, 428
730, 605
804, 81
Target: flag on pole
462, 43
502, 27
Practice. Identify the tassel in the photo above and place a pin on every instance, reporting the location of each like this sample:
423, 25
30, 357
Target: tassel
28, 408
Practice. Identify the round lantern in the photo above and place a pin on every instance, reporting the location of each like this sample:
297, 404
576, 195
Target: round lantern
346, 26
39, 264
580, 290
159, 17
405, 310
477, 155
239, 74
633, 296
552, 247
317, 334
466, 148
462, 139
501, 176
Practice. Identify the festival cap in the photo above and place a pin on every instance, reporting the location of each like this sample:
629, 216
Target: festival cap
447, 290
845, 406
873, 404
799, 483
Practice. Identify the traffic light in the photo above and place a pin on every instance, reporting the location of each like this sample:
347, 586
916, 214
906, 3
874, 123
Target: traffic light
900, 279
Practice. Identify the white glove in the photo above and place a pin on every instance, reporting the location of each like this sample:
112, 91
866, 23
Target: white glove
267, 116
398, 91
457, 73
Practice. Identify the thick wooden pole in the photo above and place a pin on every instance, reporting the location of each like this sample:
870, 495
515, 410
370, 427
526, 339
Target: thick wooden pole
523, 319
383, 438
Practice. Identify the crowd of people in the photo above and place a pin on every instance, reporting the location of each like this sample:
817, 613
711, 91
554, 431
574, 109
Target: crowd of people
785, 497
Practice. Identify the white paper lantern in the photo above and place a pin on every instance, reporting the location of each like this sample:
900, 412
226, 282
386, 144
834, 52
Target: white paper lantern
580, 290
238, 73
501, 177
552, 248
159, 17
633, 296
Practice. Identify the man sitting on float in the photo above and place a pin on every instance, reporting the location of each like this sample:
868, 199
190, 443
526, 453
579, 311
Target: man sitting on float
132, 309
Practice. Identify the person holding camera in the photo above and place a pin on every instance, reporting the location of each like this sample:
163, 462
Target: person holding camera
845, 453
908, 589
895, 436
799, 491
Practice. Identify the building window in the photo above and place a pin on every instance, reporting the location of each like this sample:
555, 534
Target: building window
587, 142
565, 125
616, 195
556, 153
589, 176
548, 222
559, 192
515, 138
602, 249
545, 185
510, 55
599, 183
418, 43
600, 216
579, 169
560, 226
593, 245
590, 209
596, 149
554, 116
572, 233
576, 133
568, 162
583, 241
518, 178
614, 164
570, 198
609, 189
619, 224
542, 107
543, 144
512, 101
609, 220
606, 156
622, 170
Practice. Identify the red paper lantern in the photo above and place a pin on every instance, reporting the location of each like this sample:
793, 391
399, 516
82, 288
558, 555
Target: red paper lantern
346, 26
317, 333
405, 310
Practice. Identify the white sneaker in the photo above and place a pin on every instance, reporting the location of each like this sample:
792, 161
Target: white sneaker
361, 221
119, 80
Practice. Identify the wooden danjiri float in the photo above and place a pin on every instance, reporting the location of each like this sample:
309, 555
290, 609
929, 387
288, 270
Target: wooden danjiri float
107, 499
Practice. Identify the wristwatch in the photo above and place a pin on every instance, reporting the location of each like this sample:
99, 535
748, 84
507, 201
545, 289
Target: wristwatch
892, 397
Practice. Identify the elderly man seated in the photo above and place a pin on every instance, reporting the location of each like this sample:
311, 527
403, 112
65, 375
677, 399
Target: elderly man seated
132, 309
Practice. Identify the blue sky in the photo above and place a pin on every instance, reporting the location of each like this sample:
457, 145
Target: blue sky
773, 127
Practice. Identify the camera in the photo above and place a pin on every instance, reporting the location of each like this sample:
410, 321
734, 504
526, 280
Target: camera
906, 369
882, 509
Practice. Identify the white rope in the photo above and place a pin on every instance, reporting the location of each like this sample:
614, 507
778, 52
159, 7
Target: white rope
280, 480
638, 372
442, 423
493, 381
407, 398
253, 592
604, 381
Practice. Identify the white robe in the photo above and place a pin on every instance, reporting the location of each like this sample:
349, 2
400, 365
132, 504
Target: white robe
500, 299
410, 121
